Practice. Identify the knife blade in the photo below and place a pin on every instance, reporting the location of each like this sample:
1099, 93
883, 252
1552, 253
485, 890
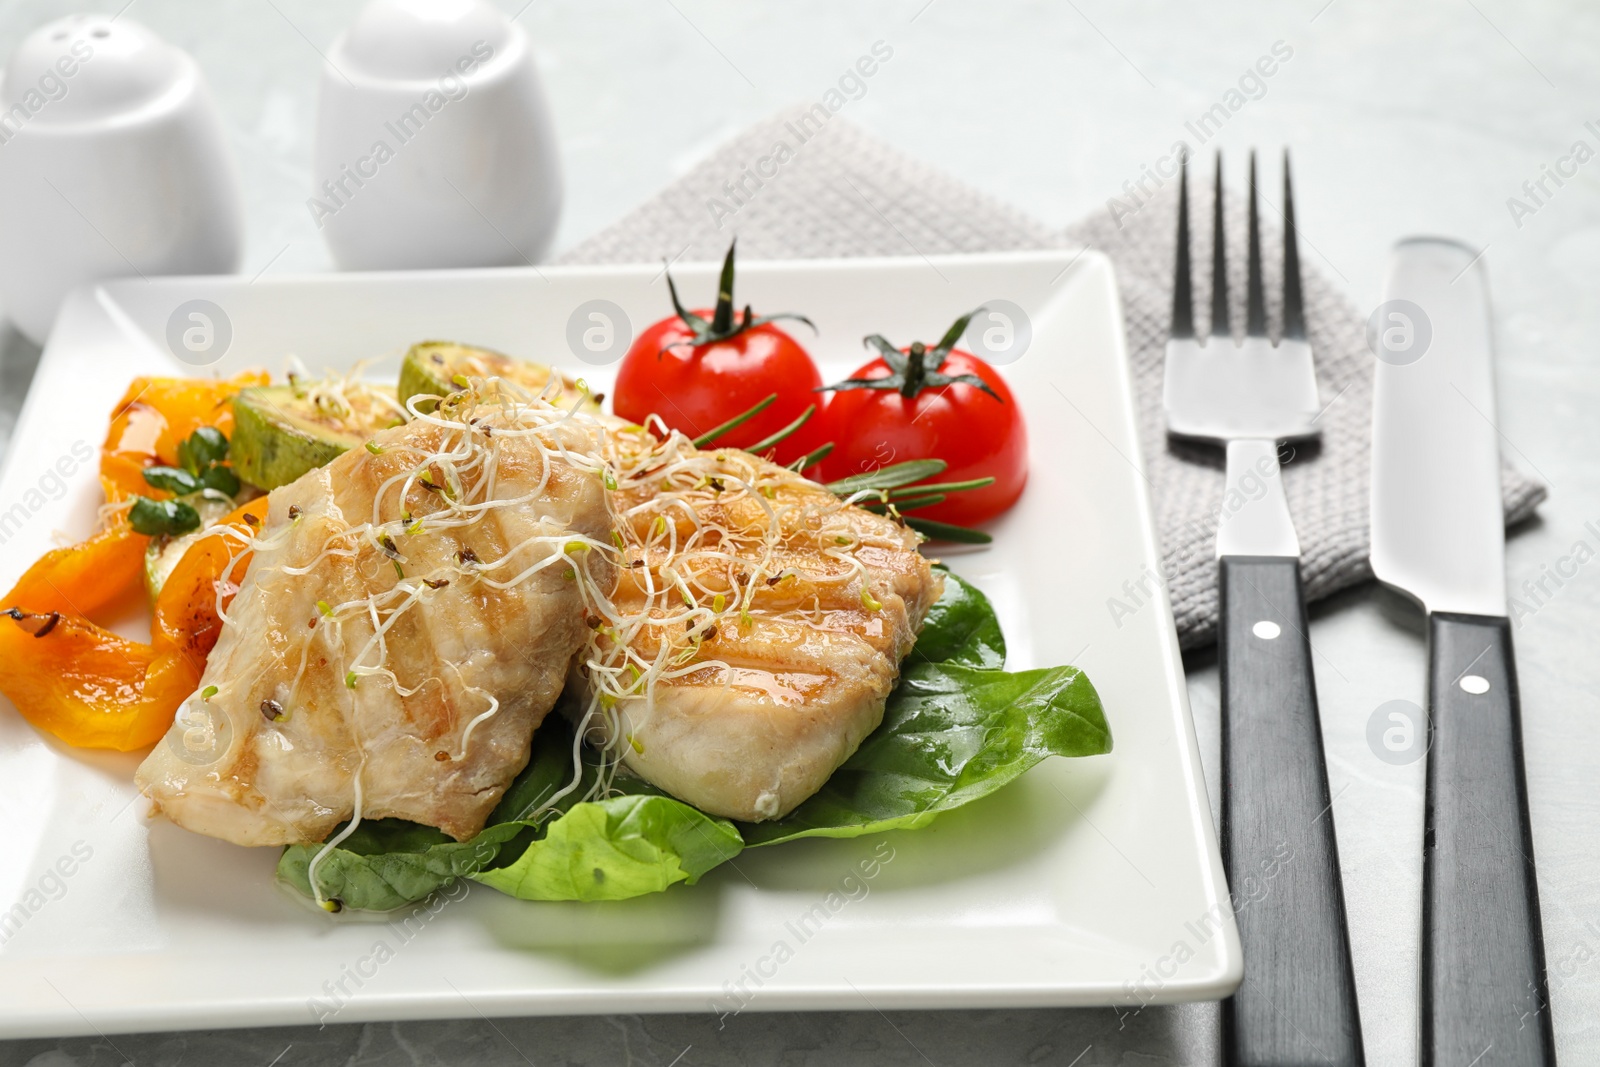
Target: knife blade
1438, 533
1438, 529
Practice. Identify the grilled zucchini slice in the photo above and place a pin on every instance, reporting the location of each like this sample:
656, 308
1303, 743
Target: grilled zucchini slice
282, 431
436, 369
162, 554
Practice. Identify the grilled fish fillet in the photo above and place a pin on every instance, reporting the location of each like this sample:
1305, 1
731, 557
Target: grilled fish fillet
315, 716
803, 607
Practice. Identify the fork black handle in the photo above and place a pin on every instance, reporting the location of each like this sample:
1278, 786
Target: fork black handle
1297, 1004
1483, 973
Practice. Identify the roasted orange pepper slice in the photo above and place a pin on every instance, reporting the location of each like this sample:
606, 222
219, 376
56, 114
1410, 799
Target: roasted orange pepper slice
186, 611
88, 686
153, 417
95, 689
91, 687
85, 578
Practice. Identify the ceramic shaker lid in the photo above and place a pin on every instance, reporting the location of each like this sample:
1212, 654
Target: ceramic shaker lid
410, 40
86, 68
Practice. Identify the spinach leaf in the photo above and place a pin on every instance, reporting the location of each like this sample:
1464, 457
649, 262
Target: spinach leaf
387, 863
960, 628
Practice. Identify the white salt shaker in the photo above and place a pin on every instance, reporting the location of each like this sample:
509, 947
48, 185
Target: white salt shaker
434, 143
113, 162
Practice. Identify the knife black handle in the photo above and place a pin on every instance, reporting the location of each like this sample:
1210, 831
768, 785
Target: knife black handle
1297, 1004
1483, 972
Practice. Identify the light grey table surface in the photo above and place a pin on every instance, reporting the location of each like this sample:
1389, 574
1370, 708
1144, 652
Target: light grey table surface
1417, 118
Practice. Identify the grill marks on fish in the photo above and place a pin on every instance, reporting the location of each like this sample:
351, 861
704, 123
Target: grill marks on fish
821, 602
293, 778
746, 708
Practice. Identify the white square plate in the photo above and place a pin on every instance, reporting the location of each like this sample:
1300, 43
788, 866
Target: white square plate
1092, 881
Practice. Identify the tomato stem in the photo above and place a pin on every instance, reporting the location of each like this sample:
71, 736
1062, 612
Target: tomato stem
724, 324
916, 373
909, 371
722, 319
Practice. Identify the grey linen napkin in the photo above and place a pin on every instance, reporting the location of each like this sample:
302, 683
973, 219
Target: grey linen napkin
845, 193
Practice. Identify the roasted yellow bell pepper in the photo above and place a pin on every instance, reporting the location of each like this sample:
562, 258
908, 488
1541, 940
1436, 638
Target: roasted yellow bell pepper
153, 417
95, 689
91, 687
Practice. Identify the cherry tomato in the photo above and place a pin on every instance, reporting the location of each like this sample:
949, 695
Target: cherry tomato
978, 432
697, 387
699, 369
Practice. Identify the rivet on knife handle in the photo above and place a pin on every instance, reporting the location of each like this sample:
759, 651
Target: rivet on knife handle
1483, 974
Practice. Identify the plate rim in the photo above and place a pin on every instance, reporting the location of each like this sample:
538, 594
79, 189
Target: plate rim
1216, 983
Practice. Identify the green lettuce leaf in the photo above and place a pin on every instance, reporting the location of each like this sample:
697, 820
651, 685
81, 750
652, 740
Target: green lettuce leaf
950, 735
956, 728
618, 848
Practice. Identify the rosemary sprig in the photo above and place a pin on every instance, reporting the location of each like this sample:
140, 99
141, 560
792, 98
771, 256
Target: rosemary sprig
813, 458
738, 420
941, 487
927, 500
767, 442
944, 531
891, 477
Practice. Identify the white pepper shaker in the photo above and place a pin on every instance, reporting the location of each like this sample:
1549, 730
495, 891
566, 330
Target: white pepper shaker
113, 162
434, 143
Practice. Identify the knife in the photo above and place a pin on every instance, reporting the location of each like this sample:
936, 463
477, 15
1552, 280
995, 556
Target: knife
1438, 534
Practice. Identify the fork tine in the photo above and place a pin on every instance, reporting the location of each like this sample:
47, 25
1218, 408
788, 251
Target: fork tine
1219, 263
1255, 314
1182, 288
1294, 313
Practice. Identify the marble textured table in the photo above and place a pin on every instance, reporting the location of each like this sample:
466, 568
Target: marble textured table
1424, 117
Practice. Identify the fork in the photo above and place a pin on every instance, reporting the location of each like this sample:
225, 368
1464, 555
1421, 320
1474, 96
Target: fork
1297, 1003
